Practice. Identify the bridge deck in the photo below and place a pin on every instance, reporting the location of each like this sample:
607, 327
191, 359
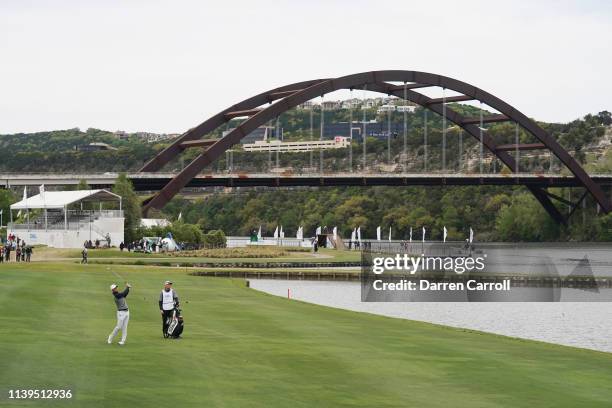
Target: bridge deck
155, 181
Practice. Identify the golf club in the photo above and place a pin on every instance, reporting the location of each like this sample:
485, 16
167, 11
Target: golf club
117, 275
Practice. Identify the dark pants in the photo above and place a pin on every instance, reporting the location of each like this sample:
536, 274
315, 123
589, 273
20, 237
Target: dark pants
167, 315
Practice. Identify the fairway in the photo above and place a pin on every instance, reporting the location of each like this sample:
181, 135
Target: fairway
245, 348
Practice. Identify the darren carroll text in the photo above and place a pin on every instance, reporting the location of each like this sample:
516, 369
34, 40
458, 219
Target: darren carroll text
425, 285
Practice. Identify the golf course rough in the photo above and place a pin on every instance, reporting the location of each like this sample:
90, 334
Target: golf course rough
245, 348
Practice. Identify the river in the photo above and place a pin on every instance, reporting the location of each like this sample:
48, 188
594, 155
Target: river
577, 324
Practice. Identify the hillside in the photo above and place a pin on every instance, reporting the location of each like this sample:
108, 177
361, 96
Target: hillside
60, 150
495, 213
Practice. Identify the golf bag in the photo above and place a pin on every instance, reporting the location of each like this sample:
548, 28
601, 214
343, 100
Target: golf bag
175, 324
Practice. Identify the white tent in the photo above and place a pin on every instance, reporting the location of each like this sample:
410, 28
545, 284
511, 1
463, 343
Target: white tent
58, 200
61, 220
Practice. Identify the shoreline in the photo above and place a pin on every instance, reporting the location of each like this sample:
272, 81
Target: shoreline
548, 322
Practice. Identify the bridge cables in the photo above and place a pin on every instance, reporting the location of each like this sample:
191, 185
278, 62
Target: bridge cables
364, 134
480, 130
311, 135
425, 139
443, 130
321, 135
350, 133
405, 151
389, 112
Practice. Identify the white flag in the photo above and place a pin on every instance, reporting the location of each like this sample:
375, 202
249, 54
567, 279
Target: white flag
471, 235
445, 234
259, 233
378, 233
389, 233
423, 234
411, 234
359, 234
41, 190
353, 234
180, 216
1, 211
335, 233
282, 233
276, 232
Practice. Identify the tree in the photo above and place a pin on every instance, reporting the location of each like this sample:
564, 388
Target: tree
525, 220
6, 199
83, 185
182, 232
131, 205
605, 118
215, 239
604, 228
496, 202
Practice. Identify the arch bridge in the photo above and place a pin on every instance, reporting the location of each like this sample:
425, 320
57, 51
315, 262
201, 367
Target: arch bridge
262, 108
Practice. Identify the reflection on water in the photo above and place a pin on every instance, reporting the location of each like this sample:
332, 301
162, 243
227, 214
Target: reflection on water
521, 258
587, 325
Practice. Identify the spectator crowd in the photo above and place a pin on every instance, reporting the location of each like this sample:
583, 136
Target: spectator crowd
16, 245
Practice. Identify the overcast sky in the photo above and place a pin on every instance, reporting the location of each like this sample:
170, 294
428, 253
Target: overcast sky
165, 66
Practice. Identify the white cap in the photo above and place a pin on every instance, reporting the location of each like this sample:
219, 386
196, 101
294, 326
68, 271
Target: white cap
167, 283
113, 286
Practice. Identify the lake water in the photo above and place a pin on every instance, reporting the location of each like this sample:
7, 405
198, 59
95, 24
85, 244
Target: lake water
523, 258
578, 324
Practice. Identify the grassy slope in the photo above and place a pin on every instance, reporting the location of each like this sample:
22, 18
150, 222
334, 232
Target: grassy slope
244, 348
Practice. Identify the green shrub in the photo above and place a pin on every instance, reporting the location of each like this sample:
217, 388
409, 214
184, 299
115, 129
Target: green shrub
215, 239
248, 252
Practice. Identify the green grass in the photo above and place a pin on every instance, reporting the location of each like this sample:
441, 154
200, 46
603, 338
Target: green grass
245, 348
45, 253
117, 257
242, 252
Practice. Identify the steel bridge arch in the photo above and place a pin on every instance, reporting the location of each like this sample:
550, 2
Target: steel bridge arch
290, 96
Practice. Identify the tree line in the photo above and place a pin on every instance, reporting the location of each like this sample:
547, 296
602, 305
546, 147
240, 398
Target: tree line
57, 151
495, 213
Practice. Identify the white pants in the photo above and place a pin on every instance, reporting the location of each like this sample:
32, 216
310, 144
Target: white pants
123, 317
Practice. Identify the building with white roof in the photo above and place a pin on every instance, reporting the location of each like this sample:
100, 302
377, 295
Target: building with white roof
66, 219
337, 142
154, 222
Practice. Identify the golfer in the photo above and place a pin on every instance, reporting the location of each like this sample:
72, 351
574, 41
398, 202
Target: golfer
123, 313
84, 256
168, 300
